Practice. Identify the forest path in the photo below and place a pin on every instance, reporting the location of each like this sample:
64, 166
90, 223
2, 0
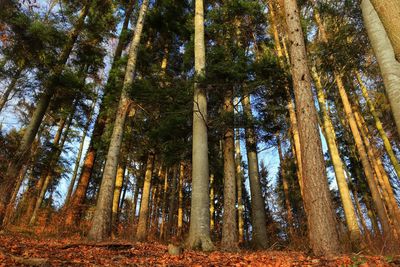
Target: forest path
20, 250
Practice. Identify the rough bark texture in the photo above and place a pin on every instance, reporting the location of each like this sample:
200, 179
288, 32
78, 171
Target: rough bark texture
348, 207
141, 232
119, 180
164, 206
102, 216
389, 66
258, 217
389, 14
318, 206
199, 231
229, 240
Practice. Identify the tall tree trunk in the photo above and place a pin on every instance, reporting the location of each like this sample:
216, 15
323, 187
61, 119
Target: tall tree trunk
389, 66
239, 182
379, 126
141, 232
229, 240
258, 217
389, 14
171, 205
199, 231
102, 216
317, 202
74, 210
212, 206
119, 180
164, 205
180, 199
348, 207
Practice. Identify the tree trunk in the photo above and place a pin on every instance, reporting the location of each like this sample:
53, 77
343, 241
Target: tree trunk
379, 126
229, 240
141, 232
389, 66
239, 181
258, 216
212, 205
348, 207
180, 199
389, 14
317, 202
171, 206
199, 231
119, 180
164, 205
102, 216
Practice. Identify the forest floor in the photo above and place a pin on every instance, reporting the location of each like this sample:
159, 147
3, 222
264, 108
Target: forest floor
18, 249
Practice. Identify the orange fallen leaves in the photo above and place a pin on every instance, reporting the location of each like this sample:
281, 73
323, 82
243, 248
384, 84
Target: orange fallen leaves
16, 249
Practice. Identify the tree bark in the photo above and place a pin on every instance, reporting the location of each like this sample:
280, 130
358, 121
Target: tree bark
199, 230
102, 217
119, 180
164, 205
389, 66
141, 231
180, 199
317, 202
389, 14
239, 181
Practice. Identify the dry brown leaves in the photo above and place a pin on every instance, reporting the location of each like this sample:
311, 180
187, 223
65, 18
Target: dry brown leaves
18, 250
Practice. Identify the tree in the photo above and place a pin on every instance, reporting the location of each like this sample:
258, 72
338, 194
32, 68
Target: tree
199, 231
385, 55
320, 217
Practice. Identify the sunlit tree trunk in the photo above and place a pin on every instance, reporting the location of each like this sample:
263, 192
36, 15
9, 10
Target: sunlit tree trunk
379, 126
102, 216
171, 205
119, 180
164, 205
317, 202
180, 199
199, 230
21, 154
383, 49
348, 207
212, 205
389, 14
141, 232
